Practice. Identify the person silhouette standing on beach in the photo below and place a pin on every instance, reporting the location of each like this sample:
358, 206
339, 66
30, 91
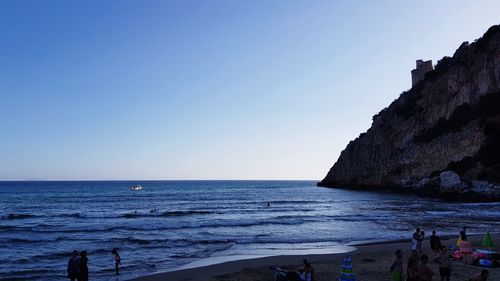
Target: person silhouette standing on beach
416, 241
412, 270
435, 242
419, 243
396, 268
463, 233
84, 269
73, 266
117, 259
443, 259
412, 267
424, 272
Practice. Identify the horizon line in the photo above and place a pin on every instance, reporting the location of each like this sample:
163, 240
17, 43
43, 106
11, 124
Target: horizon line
89, 180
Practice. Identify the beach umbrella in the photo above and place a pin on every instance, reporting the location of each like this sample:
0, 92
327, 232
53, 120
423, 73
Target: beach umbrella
347, 274
488, 242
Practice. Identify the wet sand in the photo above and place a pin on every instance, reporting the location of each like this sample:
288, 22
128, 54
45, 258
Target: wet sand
370, 263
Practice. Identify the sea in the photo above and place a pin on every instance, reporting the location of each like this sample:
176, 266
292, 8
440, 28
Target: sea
175, 224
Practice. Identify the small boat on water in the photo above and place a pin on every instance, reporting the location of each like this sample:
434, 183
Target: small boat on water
136, 187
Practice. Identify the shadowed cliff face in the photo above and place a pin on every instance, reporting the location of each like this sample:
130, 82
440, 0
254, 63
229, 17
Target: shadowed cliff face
449, 121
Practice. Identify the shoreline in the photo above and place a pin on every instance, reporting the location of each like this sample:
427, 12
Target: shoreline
471, 195
371, 259
227, 264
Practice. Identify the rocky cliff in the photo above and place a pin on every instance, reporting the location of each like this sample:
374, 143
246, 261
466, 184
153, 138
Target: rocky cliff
449, 122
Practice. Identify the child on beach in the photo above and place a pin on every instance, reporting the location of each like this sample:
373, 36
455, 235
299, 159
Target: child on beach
413, 256
412, 270
396, 268
424, 272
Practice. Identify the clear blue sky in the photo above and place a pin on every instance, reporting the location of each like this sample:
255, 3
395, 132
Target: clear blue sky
217, 89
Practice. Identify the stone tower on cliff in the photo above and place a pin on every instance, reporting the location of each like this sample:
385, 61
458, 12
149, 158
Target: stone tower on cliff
418, 74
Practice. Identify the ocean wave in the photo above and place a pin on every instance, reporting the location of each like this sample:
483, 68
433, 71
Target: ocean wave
178, 225
186, 255
29, 216
6, 228
174, 213
172, 241
17, 216
185, 213
295, 202
305, 217
439, 213
29, 272
73, 215
57, 256
166, 214
132, 240
251, 222
217, 247
28, 241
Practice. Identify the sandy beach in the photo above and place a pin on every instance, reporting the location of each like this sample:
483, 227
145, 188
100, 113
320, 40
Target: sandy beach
370, 263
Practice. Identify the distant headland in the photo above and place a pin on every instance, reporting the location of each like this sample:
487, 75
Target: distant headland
440, 138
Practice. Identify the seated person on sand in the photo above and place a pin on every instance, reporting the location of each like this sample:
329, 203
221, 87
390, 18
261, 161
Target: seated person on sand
280, 274
307, 274
483, 276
